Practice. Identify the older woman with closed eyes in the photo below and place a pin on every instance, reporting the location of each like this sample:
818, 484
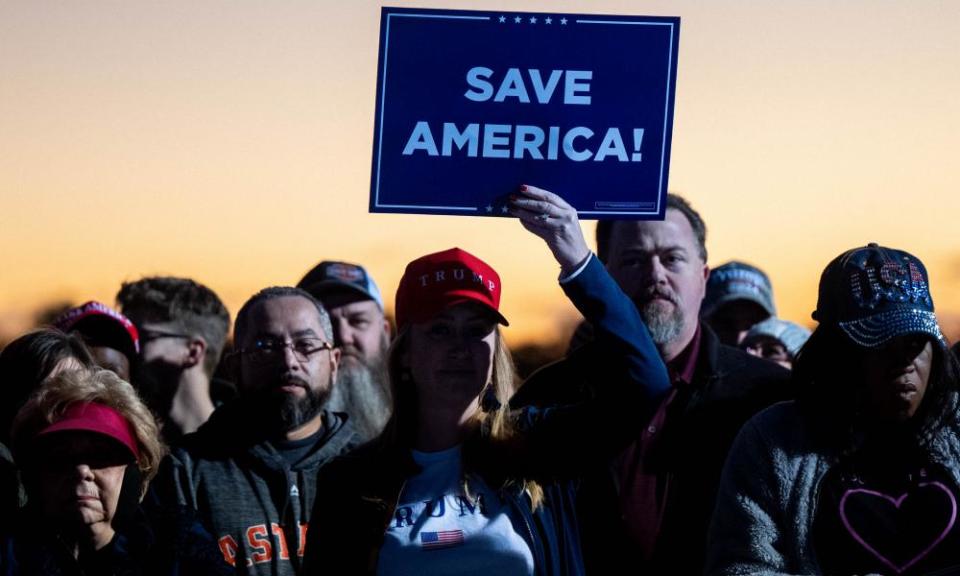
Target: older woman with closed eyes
87, 448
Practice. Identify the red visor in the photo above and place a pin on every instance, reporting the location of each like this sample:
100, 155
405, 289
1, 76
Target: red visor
94, 417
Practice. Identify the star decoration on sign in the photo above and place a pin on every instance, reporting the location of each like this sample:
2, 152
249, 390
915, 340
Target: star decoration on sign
488, 208
503, 19
517, 20
533, 19
563, 21
548, 20
503, 209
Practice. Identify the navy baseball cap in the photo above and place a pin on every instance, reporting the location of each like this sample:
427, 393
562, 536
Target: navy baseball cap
737, 281
329, 276
876, 293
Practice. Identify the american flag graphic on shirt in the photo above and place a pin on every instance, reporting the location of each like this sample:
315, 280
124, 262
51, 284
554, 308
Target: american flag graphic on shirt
442, 539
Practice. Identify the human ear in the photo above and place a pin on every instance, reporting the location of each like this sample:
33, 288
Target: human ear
196, 352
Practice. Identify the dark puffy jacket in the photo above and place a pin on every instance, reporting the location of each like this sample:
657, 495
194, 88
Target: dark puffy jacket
170, 543
728, 387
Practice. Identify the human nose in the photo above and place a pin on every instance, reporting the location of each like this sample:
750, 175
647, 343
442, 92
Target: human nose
459, 346
83, 471
290, 359
655, 271
344, 333
900, 360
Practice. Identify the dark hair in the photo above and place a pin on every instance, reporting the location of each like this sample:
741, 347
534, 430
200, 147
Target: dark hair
605, 228
192, 306
825, 376
243, 316
27, 361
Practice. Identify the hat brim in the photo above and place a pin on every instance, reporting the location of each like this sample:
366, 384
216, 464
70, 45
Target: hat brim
72, 426
102, 330
733, 297
318, 289
876, 330
459, 299
453, 298
96, 418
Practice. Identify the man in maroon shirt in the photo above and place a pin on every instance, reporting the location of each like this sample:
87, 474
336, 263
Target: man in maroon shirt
650, 510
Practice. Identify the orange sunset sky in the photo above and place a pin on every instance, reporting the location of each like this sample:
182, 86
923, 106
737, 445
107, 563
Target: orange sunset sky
230, 141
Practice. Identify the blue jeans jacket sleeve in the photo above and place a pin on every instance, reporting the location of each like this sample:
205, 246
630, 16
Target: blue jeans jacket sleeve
626, 384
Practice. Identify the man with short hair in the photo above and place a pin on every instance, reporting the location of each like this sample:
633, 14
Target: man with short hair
649, 512
739, 295
362, 333
183, 329
250, 472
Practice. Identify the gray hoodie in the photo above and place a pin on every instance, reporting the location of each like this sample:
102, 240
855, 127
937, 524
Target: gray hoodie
253, 502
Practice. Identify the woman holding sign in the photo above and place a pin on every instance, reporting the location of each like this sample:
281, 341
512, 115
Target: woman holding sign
459, 482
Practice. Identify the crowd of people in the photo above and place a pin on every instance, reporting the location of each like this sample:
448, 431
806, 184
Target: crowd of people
688, 430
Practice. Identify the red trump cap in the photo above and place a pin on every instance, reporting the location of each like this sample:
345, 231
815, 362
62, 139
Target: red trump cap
437, 281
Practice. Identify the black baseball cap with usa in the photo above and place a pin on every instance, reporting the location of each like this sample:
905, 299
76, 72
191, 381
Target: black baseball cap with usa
874, 293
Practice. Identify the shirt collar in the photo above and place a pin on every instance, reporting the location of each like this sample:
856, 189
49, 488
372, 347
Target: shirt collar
682, 368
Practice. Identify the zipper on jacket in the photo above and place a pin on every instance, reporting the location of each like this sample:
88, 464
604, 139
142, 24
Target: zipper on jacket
374, 559
517, 501
295, 494
813, 513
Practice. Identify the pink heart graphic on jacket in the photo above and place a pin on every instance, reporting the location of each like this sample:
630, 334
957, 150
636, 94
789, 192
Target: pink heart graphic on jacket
881, 499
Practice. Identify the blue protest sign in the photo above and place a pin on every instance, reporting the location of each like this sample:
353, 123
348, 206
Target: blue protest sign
472, 104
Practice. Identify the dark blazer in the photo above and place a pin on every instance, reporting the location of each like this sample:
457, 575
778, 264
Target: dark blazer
728, 387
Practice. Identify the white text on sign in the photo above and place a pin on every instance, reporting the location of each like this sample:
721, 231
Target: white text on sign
524, 141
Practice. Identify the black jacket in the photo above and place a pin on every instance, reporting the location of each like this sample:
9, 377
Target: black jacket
171, 542
728, 387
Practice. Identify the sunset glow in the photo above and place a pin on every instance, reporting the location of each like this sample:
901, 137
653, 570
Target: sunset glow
230, 142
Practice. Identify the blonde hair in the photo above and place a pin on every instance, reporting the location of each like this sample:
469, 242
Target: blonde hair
99, 386
496, 423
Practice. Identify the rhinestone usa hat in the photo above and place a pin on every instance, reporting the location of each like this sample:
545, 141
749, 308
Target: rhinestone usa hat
874, 294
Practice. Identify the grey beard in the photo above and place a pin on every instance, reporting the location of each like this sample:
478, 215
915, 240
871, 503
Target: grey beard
664, 327
362, 392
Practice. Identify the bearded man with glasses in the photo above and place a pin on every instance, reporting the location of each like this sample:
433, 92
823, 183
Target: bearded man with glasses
250, 471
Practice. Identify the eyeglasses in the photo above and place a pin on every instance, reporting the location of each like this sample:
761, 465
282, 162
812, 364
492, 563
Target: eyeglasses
267, 350
149, 335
